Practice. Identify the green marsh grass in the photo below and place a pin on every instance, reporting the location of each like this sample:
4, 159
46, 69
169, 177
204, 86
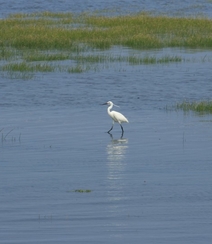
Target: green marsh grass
45, 57
6, 54
32, 42
41, 62
50, 31
27, 67
201, 107
76, 69
153, 60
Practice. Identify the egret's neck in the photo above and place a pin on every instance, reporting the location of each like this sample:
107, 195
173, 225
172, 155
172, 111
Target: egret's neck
109, 108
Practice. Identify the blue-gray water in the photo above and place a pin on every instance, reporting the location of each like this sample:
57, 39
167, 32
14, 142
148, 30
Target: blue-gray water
151, 186
187, 7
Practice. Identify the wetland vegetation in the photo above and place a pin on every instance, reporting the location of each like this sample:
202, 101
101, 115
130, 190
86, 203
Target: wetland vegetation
200, 107
67, 42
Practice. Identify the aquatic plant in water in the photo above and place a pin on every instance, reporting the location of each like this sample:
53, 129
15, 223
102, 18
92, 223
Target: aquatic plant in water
81, 190
201, 107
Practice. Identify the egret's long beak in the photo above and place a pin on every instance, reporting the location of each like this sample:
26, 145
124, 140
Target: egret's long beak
104, 104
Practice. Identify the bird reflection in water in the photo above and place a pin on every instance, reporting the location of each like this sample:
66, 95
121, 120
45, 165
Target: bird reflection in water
116, 148
116, 151
116, 155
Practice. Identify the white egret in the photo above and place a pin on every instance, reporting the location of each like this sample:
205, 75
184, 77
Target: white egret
115, 116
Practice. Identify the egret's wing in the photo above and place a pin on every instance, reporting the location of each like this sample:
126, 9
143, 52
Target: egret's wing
118, 117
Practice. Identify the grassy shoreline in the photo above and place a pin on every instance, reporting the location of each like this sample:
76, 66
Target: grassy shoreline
50, 37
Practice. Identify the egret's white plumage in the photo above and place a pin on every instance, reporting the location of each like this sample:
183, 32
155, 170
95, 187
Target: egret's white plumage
115, 116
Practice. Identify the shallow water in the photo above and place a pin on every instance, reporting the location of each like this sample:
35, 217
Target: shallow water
152, 185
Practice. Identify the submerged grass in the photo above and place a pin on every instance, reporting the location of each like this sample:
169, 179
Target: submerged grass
76, 69
201, 107
27, 67
6, 54
82, 63
45, 57
81, 191
154, 60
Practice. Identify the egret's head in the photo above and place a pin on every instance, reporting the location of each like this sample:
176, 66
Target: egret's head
109, 103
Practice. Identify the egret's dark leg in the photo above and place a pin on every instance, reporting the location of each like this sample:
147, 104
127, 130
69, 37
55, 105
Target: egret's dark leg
110, 129
122, 133
122, 129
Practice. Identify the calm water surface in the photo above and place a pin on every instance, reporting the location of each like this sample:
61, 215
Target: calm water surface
180, 8
153, 185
